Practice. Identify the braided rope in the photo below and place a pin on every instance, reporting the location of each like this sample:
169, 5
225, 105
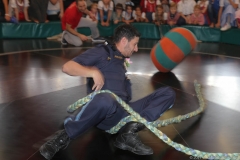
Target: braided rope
152, 126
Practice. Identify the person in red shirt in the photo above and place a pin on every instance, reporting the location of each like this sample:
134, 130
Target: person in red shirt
148, 6
73, 19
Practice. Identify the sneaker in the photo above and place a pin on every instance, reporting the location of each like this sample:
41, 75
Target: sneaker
63, 41
98, 40
226, 27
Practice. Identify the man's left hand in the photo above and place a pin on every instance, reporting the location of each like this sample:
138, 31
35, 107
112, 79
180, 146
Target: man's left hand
92, 17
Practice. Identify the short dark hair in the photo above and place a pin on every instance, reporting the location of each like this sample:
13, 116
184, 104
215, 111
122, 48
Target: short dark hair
127, 5
79, 0
119, 6
138, 7
125, 30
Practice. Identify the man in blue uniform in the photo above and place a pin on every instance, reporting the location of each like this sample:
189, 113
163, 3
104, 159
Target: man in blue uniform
104, 68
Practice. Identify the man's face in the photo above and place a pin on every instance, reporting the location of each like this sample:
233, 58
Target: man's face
81, 6
130, 47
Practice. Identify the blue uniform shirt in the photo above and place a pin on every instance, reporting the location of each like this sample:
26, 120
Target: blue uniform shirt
111, 63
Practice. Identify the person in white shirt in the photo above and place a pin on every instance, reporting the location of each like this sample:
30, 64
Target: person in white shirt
55, 10
158, 16
226, 14
185, 8
139, 15
19, 9
105, 9
117, 15
128, 15
94, 11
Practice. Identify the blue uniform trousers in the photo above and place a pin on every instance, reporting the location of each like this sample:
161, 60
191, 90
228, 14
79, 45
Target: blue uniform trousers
105, 112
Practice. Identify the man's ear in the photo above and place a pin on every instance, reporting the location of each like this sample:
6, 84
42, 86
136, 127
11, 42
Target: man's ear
124, 41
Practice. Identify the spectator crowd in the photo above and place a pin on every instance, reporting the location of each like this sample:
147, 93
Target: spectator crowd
222, 14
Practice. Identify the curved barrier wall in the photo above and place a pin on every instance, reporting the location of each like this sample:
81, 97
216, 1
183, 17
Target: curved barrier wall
147, 30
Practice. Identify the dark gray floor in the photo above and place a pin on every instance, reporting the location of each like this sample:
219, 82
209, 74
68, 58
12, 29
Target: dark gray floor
34, 94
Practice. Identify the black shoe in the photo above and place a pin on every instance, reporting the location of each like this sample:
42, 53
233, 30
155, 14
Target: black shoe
51, 147
98, 40
128, 139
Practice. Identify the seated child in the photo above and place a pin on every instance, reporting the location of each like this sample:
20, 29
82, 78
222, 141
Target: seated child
128, 14
226, 14
122, 2
148, 6
197, 17
19, 9
173, 15
237, 16
117, 16
165, 5
105, 9
203, 7
94, 11
157, 16
139, 15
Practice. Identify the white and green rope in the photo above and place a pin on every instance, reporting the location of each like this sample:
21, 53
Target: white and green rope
152, 126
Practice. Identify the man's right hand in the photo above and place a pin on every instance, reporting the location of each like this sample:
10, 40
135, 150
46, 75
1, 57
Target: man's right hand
98, 79
83, 37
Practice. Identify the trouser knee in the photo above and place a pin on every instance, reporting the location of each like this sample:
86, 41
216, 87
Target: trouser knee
105, 101
169, 93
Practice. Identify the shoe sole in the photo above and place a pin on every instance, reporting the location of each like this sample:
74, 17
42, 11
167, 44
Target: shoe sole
98, 41
44, 155
64, 43
125, 147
